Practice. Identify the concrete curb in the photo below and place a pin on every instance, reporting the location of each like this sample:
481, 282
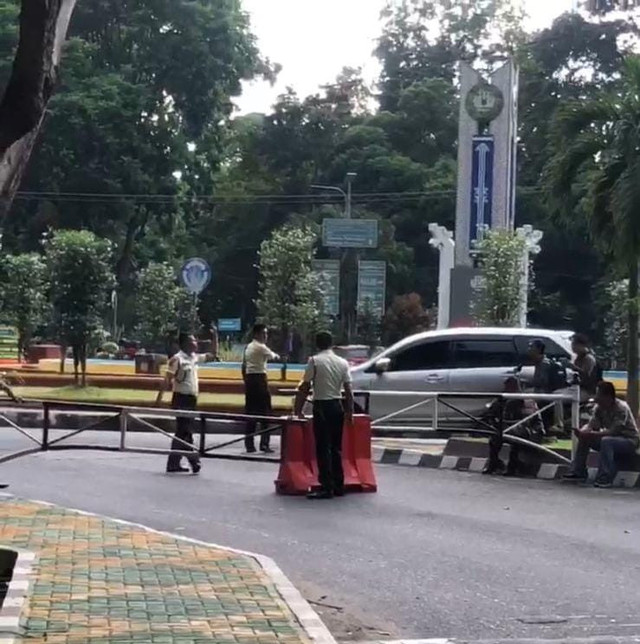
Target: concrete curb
569, 640
307, 618
546, 471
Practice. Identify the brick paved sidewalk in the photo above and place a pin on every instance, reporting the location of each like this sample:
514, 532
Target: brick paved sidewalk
98, 581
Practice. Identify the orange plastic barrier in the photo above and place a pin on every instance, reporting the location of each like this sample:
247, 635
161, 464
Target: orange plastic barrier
298, 466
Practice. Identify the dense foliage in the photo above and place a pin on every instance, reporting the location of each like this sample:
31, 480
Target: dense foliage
139, 147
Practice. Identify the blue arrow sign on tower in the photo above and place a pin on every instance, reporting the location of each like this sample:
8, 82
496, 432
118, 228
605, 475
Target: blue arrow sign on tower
481, 185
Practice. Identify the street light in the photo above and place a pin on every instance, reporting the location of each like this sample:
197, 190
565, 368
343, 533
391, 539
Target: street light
350, 179
345, 195
346, 305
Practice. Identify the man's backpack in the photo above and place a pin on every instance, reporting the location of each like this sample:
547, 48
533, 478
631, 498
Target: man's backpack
558, 378
599, 371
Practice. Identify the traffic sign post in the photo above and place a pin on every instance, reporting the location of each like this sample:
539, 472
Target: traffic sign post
372, 287
328, 272
350, 233
195, 275
230, 325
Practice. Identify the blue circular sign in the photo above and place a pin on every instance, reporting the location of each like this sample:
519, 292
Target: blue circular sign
195, 275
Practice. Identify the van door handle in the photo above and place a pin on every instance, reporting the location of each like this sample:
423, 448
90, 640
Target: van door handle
434, 378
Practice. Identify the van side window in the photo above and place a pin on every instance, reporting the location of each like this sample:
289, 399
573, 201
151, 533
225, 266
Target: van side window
422, 357
476, 353
552, 349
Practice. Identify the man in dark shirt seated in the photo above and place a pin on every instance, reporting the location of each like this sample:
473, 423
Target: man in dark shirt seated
612, 431
514, 410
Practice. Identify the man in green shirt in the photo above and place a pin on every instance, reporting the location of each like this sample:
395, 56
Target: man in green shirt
612, 431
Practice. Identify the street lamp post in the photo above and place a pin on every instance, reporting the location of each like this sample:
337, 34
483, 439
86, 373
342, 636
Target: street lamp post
347, 308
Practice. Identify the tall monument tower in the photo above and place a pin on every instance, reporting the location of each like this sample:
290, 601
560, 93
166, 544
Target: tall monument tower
487, 149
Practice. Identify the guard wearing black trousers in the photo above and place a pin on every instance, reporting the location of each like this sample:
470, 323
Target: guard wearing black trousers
256, 387
327, 375
182, 379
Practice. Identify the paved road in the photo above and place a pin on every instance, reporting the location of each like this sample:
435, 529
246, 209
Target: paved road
434, 554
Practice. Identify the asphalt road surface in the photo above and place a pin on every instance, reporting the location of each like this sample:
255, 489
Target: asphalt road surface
433, 554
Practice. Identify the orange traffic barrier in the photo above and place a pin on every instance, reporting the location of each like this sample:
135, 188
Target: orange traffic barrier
360, 438
298, 466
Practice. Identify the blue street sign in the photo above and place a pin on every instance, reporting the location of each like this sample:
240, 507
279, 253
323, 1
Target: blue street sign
350, 233
230, 325
195, 275
481, 185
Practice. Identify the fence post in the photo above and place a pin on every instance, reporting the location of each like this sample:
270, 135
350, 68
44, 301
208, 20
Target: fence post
575, 418
203, 435
436, 412
501, 407
123, 429
46, 424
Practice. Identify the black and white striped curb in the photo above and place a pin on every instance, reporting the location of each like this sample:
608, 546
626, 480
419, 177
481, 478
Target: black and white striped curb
546, 471
17, 593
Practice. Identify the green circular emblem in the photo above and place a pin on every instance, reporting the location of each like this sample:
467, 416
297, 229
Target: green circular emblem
484, 102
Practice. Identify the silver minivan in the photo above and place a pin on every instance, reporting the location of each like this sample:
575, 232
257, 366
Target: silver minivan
476, 360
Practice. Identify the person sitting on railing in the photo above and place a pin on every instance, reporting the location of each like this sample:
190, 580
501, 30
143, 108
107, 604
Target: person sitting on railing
612, 431
512, 410
6, 388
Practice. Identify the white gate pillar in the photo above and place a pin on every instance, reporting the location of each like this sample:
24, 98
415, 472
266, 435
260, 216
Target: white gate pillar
442, 240
532, 240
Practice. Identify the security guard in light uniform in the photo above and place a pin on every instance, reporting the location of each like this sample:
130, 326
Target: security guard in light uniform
182, 379
327, 374
256, 386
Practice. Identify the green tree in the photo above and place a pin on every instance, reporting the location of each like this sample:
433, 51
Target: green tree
24, 295
79, 266
596, 173
29, 86
142, 108
497, 298
162, 306
289, 298
614, 307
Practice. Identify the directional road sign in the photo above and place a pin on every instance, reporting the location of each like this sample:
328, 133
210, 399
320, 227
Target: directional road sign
372, 287
350, 233
328, 271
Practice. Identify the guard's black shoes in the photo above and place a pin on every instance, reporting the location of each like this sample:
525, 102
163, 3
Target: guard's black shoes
321, 494
493, 467
572, 476
177, 470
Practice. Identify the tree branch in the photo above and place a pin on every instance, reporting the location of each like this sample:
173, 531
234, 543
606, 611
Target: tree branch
43, 30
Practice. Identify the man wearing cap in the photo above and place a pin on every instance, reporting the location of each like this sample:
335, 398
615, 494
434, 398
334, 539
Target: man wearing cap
328, 375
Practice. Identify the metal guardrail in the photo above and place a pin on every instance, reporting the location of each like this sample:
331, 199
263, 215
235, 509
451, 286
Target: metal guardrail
480, 426
129, 416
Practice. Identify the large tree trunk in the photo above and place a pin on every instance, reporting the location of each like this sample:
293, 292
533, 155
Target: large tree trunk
43, 29
632, 357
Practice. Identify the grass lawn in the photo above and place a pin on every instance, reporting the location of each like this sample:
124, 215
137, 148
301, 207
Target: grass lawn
142, 398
